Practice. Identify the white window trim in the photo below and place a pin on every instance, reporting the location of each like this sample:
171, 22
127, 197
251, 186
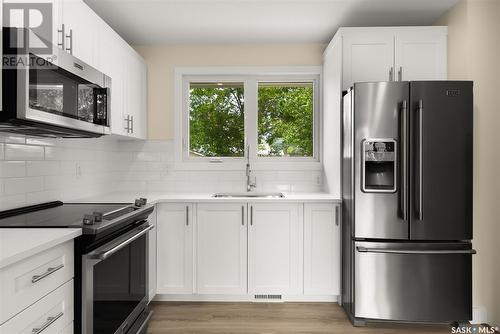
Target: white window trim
182, 77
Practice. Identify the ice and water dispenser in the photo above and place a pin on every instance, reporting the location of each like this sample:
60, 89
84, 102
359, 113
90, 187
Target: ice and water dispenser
379, 165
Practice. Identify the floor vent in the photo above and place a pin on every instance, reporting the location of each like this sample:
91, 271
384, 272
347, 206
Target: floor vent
267, 298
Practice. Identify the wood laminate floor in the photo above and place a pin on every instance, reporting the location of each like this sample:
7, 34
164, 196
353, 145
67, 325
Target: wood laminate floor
170, 317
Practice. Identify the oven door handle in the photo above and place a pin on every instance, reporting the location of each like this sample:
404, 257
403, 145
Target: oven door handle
107, 253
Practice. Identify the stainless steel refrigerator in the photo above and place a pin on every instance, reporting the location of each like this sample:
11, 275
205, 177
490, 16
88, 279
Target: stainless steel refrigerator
407, 202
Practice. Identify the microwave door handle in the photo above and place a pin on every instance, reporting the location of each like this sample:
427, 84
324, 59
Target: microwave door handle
404, 160
415, 251
107, 253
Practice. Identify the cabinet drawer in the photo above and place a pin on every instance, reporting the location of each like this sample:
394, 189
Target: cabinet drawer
26, 281
51, 314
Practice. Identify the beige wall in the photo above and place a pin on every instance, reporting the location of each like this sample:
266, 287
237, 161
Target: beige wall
474, 54
161, 61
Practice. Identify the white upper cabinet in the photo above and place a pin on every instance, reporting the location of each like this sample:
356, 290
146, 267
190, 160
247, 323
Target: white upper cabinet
80, 30
174, 238
392, 54
114, 66
275, 249
321, 249
368, 57
135, 88
420, 55
221, 266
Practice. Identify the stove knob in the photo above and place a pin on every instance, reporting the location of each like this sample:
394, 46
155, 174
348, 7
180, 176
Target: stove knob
88, 219
143, 201
138, 202
97, 216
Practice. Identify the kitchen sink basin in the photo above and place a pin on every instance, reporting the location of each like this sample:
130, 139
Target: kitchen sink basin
249, 195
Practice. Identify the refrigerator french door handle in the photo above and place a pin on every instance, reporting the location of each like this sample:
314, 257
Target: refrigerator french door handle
404, 165
420, 160
415, 251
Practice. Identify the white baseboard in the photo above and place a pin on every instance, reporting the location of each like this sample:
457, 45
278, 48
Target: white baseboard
479, 315
242, 298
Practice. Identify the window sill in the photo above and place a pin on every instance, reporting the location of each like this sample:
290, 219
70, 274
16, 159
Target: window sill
256, 166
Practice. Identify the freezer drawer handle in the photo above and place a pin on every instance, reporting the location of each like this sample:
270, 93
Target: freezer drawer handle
415, 251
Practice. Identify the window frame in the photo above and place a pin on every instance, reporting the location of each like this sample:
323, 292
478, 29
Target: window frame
250, 77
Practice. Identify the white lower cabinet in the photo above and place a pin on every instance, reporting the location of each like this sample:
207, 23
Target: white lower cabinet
152, 254
321, 249
236, 250
53, 314
174, 238
221, 248
275, 249
28, 280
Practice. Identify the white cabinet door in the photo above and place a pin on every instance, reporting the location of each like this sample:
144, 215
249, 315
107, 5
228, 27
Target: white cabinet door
111, 61
174, 248
275, 249
321, 249
152, 255
367, 57
81, 30
135, 107
420, 55
221, 248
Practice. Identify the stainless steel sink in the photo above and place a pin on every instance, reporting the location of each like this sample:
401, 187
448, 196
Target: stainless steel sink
249, 195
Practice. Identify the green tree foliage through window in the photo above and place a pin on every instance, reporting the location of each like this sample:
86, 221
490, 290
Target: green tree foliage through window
216, 120
285, 119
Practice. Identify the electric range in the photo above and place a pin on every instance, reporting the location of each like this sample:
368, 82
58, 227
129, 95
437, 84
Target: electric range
111, 259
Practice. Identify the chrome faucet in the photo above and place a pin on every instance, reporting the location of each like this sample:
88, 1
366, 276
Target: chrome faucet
250, 184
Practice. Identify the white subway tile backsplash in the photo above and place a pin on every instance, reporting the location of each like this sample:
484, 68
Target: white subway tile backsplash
37, 168
23, 152
22, 185
12, 169
14, 201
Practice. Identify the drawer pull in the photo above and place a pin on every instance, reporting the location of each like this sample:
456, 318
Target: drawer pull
49, 271
50, 321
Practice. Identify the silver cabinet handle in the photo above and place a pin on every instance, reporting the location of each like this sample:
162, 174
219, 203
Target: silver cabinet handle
404, 165
105, 254
415, 251
128, 123
391, 74
50, 321
400, 73
49, 271
70, 37
187, 215
242, 215
131, 124
337, 215
62, 44
251, 215
420, 160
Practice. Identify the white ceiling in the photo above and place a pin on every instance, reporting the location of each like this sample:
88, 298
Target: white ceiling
257, 21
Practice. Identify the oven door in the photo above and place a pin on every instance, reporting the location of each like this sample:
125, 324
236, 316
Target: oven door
115, 283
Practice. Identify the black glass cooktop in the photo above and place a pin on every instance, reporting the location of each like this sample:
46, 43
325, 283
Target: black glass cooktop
60, 215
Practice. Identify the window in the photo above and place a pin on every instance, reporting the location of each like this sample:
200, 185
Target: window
216, 120
285, 119
228, 116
